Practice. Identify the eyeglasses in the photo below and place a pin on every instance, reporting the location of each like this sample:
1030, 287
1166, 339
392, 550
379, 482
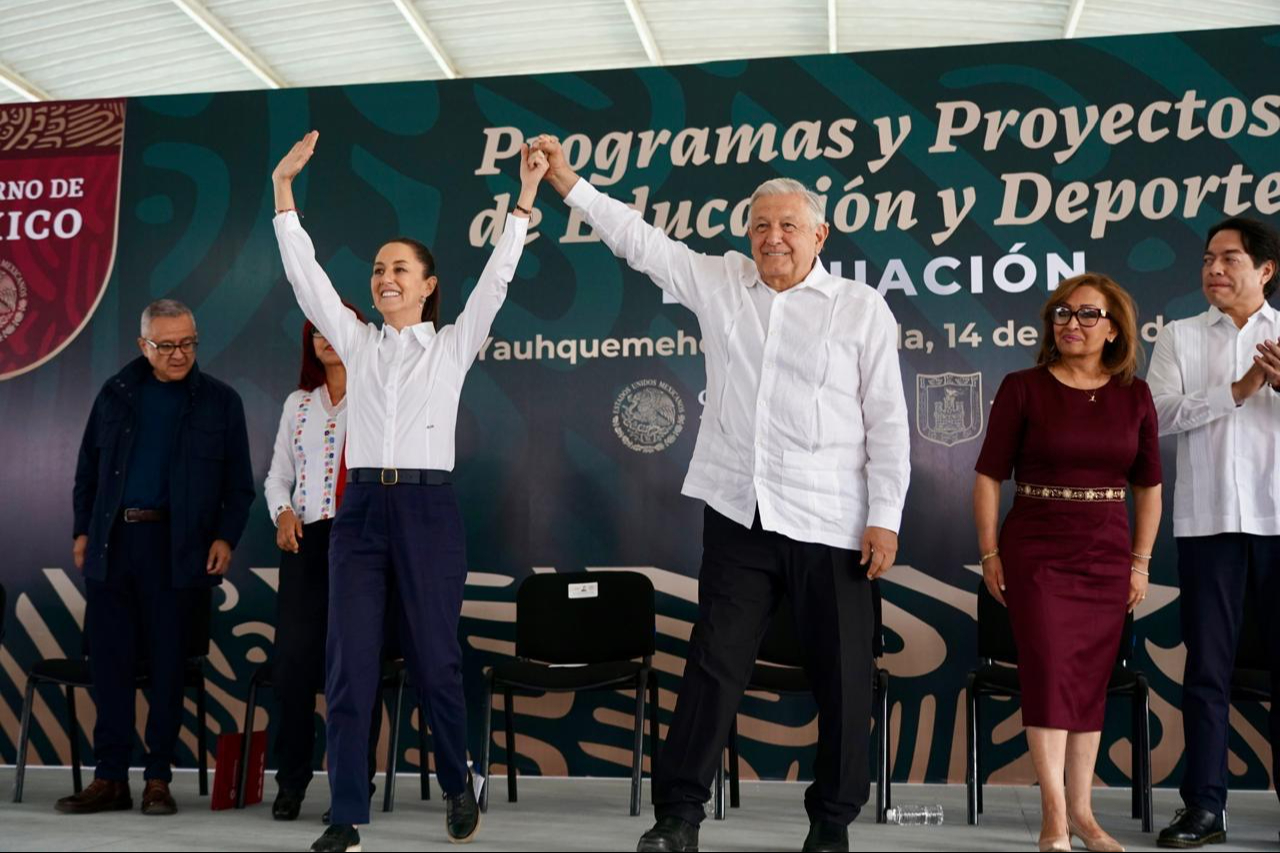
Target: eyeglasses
168, 348
1087, 315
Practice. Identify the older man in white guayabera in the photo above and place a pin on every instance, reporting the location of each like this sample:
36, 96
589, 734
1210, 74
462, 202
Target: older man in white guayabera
802, 459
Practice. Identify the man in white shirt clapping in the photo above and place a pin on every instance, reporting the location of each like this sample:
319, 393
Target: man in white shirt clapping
1209, 379
802, 459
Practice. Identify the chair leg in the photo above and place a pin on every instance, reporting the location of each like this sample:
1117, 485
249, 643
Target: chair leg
24, 739
1144, 732
73, 733
1135, 748
971, 752
393, 747
977, 750
486, 747
509, 715
250, 711
637, 751
882, 744
718, 794
202, 733
424, 763
654, 730
735, 800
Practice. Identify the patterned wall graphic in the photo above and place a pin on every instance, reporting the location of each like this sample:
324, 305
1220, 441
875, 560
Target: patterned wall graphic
962, 182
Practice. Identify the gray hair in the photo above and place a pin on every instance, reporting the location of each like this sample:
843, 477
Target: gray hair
789, 186
164, 308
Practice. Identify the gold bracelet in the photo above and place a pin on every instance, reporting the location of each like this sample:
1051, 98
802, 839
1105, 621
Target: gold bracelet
1140, 571
986, 557
1140, 556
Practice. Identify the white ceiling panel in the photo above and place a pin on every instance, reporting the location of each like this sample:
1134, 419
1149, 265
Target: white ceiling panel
101, 48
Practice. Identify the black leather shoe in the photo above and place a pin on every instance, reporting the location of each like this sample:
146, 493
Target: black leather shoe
462, 814
287, 805
1193, 827
826, 836
338, 838
670, 834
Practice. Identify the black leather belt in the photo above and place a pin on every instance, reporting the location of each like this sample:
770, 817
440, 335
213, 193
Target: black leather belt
400, 476
133, 516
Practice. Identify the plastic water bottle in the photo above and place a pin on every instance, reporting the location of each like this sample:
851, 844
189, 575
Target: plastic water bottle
914, 814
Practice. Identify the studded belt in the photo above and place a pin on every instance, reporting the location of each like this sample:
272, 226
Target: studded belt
1073, 493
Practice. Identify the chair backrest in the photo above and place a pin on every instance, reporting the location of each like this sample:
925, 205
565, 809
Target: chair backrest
995, 632
4, 610
781, 643
585, 617
1251, 652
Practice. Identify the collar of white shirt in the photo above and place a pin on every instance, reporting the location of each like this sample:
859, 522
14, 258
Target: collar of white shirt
818, 279
1266, 313
424, 332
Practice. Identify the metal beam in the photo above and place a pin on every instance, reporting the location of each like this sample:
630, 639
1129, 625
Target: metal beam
13, 80
208, 22
642, 30
833, 37
1073, 19
428, 38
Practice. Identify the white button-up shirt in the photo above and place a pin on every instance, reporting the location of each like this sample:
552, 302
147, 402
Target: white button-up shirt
403, 387
1228, 455
805, 416
305, 464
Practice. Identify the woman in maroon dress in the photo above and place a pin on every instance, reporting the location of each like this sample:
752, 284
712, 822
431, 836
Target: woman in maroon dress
1075, 431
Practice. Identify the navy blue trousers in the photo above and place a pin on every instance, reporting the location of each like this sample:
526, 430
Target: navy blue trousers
136, 619
411, 536
1216, 574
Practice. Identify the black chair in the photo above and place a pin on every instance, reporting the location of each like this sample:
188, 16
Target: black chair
71, 674
574, 632
779, 669
1251, 675
997, 675
393, 678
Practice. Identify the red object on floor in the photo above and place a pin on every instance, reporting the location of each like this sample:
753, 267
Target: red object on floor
226, 774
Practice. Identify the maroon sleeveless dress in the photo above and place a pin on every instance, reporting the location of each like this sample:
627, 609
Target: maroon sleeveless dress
1065, 544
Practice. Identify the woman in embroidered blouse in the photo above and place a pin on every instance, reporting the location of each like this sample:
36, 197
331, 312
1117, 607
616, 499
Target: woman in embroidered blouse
1075, 431
303, 489
399, 521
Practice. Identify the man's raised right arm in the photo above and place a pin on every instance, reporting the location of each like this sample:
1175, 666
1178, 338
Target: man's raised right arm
685, 274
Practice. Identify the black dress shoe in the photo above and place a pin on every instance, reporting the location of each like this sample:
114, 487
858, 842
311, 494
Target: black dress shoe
287, 805
338, 838
826, 836
1193, 827
462, 814
670, 834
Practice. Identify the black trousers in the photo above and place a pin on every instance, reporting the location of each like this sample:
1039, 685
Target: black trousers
1216, 574
136, 619
744, 574
302, 614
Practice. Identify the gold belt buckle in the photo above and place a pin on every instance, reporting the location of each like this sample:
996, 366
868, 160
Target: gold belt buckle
395, 476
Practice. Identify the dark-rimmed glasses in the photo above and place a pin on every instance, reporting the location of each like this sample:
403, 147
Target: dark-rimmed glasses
1087, 315
168, 348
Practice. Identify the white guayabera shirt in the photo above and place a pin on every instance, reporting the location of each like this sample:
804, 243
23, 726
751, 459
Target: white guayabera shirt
402, 387
805, 416
1228, 455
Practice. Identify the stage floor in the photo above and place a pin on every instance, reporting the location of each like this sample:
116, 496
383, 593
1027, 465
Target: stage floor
578, 814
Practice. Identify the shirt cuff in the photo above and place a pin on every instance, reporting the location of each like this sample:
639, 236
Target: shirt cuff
884, 515
582, 194
1220, 399
518, 225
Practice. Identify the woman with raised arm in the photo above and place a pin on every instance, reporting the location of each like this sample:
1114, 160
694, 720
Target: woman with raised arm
399, 519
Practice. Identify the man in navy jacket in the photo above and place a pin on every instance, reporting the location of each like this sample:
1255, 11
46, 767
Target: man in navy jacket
162, 493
